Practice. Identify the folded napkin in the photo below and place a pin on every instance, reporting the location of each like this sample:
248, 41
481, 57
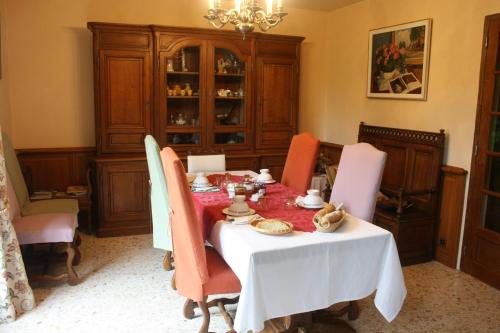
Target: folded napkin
205, 189
244, 219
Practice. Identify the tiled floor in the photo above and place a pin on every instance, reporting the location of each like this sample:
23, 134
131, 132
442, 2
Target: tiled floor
125, 289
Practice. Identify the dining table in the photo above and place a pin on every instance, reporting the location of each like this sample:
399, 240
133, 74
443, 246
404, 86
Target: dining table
304, 270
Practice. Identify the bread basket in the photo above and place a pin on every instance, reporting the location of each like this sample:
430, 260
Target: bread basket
328, 219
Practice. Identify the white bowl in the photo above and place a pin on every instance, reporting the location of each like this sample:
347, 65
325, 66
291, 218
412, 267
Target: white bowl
312, 198
264, 176
239, 205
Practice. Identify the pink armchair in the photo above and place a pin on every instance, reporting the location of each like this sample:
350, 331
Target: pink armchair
199, 271
47, 228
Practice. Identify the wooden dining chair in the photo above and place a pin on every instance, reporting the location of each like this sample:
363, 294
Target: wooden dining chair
199, 270
46, 228
206, 163
300, 162
160, 203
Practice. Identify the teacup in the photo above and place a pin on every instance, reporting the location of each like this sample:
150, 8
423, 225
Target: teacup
239, 205
200, 179
264, 176
312, 198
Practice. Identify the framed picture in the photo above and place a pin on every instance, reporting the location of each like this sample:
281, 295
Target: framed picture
398, 64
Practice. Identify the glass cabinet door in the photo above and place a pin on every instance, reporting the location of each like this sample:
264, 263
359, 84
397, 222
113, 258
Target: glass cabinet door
229, 103
181, 109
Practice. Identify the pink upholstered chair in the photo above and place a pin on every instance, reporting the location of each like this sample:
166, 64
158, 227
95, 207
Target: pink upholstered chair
199, 271
46, 228
357, 184
358, 179
300, 162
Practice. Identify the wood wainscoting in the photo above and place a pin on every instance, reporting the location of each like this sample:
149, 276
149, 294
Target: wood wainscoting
55, 168
450, 215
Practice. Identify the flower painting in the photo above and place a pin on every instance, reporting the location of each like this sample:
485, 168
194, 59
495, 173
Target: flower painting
399, 61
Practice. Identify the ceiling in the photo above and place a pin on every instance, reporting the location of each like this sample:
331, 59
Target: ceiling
324, 5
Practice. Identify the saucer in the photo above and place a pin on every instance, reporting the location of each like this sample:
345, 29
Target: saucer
270, 181
202, 185
226, 211
301, 204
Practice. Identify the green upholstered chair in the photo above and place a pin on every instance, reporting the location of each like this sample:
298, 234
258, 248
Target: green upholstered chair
26, 206
160, 204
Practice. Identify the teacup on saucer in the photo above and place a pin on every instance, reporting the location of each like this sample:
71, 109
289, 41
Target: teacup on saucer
312, 198
200, 180
264, 176
239, 206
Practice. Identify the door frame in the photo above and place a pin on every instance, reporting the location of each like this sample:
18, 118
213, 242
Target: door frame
474, 200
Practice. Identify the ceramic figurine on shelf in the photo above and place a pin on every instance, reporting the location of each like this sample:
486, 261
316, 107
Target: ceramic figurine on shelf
188, 89
180, 119
220, 65
183, 60
170, 65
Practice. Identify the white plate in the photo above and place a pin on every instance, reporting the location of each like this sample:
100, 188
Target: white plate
230, 213
301, 204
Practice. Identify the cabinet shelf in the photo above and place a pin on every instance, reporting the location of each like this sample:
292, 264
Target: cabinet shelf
182, 128
183, 73
183, 97
230, 97
230, 75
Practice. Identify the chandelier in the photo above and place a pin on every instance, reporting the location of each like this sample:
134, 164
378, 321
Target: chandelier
245, 15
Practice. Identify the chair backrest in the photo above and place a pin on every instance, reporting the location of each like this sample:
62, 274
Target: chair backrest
13, 207
358, 179
300, 162
206, 163
14, 169
160, 204
189, 250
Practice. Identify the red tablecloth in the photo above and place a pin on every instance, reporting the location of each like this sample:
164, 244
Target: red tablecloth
209, 207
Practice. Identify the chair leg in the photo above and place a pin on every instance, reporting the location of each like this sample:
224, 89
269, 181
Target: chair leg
188, 309
206, 316
76, 243
72, 276
227, 317
172, 282
167, 261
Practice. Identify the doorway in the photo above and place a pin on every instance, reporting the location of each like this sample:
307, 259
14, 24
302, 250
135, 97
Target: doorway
481, 250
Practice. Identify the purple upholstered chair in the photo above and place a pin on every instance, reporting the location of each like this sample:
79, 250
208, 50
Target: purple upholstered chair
46, 228
358, 179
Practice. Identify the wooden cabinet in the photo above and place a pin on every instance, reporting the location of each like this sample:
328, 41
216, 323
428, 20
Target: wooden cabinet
123, 79
193, 90
123, 196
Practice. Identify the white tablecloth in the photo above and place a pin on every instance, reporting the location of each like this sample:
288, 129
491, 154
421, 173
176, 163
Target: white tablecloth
300, 272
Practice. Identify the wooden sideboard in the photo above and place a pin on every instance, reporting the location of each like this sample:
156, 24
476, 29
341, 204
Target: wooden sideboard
193, 90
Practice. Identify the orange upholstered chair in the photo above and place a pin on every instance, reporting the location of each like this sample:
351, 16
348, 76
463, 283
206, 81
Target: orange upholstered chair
300, 162
199, 271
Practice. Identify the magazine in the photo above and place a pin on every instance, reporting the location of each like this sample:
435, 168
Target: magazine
406, 83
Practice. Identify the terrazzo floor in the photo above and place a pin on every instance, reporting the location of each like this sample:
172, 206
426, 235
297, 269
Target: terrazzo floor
125, 289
